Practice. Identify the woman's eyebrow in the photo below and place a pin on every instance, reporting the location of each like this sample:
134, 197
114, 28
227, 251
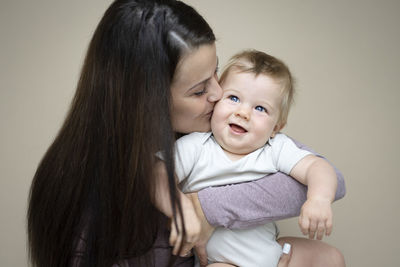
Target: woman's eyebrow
205, 80
197, 84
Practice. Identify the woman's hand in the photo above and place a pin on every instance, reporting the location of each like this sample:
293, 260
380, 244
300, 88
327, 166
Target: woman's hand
206, 230
163, 203
316, 218
192, 227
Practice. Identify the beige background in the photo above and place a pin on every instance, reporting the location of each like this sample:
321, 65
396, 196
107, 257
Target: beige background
344, 54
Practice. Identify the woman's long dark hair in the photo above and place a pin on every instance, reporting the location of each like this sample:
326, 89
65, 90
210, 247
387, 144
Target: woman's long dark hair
92, 191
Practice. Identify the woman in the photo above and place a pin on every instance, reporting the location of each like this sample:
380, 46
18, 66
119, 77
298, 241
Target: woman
149, 73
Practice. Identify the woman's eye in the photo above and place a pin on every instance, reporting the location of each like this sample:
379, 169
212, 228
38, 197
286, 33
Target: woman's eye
260, 108
200, 93
234, 98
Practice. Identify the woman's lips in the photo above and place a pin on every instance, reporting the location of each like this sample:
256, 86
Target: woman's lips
237, 128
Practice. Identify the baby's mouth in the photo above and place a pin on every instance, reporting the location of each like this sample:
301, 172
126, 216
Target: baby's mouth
237, 128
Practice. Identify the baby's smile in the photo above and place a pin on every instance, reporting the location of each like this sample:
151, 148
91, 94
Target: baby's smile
237, 128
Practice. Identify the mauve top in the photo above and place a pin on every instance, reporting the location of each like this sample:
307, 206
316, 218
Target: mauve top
275, 197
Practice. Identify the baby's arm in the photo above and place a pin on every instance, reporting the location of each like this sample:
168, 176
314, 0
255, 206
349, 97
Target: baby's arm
316, 213
275, 197
163, 202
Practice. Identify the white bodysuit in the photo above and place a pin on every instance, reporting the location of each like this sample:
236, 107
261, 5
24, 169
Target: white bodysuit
201, 162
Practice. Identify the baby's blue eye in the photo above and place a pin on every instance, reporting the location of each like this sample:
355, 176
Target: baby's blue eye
260, 108
234, 98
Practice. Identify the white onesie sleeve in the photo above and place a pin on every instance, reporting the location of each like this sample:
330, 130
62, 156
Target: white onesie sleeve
285, 153
187, 151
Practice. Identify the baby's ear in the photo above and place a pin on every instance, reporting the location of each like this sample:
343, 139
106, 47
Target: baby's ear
277, 128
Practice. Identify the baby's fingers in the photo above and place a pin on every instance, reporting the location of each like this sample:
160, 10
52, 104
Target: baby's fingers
329, 226
312, 229
320, 230
304, 224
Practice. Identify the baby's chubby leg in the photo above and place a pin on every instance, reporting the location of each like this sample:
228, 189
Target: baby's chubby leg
313, 253
286, 255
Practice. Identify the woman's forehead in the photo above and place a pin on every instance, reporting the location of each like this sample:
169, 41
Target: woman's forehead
196, 66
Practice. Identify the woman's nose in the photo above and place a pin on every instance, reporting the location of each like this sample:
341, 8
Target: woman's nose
215, 90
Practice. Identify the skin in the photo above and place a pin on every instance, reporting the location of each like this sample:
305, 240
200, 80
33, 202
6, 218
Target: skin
195, 91
247, 114
246, 117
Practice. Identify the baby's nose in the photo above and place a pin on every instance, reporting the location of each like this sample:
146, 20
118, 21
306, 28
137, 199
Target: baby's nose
243, 112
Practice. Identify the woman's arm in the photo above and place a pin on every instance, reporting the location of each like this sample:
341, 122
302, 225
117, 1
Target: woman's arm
274, 197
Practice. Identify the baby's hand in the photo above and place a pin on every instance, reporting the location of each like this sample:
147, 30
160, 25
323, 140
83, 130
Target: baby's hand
316, 217
192, 227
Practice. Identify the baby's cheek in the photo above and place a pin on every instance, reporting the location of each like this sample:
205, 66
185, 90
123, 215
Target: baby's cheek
263, 137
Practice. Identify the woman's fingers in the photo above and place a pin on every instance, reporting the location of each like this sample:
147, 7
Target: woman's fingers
183, 246
175, 238
177, 244
187, 245
205, 233
191, 237
186, 250
173, 234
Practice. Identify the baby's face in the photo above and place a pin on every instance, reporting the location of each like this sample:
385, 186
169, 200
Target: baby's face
247, 114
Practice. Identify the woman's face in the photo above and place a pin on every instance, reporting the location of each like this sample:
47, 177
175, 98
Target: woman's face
195, 90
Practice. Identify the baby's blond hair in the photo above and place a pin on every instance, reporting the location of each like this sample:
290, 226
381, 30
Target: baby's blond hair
258, 62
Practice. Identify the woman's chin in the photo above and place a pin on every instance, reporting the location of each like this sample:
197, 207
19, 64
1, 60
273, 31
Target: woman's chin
201, 129
206, 128
197, 128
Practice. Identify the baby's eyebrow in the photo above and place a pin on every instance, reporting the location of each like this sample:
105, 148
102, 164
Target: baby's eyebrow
269, 106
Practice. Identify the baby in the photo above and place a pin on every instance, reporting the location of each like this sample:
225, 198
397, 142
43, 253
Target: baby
246, 144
